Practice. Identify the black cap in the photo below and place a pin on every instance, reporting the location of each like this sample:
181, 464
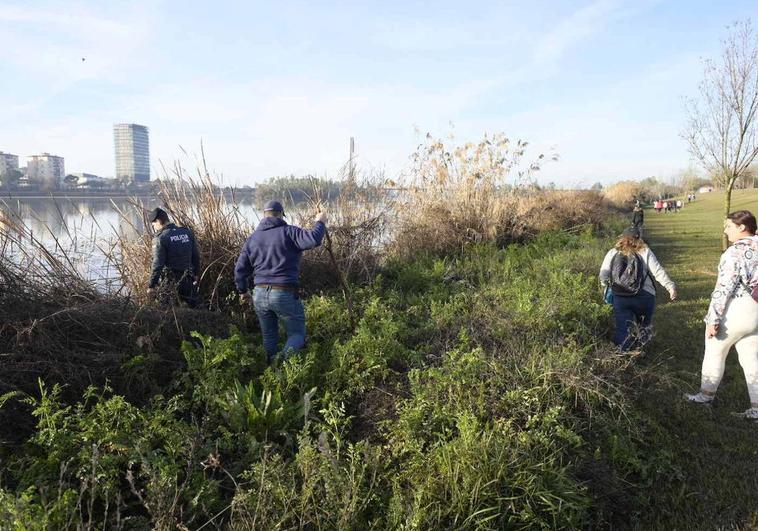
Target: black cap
274, 206
632, 232
157, 213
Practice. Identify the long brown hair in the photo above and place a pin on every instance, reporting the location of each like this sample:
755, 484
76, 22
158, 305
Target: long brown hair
743, 217
628, 245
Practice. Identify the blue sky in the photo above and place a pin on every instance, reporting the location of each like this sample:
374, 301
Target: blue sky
274, 88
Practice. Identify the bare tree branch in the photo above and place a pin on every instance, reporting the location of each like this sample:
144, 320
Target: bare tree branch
721, 126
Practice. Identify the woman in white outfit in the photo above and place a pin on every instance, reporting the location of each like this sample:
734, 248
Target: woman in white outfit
732, 317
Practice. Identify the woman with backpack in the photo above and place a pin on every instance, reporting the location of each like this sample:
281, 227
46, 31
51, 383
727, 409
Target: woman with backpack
732, 317
629, 269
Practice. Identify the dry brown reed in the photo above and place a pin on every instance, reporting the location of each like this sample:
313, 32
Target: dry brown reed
477, 192
192, 200
49, 269
453, 197
623, 194
552, 210
359, 221
56, 325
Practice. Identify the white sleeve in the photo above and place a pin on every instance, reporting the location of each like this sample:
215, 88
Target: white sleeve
605, 267
658, 272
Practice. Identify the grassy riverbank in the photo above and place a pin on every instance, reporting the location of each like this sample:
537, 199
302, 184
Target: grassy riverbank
475, 392
713, 453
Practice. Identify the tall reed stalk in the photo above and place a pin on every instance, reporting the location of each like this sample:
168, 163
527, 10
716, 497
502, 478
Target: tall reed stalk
192, 200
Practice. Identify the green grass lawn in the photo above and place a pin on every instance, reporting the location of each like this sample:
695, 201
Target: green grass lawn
715, 453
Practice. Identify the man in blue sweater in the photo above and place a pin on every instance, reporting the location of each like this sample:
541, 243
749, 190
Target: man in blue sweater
271, 255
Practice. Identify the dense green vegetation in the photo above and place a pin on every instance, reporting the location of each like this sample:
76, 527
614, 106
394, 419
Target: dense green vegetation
475, 392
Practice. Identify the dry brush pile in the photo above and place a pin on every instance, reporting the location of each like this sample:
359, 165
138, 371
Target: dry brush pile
58, 327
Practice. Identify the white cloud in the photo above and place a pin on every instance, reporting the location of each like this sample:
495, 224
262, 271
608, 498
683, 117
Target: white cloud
578, 26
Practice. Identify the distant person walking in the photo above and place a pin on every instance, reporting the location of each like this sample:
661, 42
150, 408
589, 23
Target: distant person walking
176, 260
271, 255
638, 218
732, 317
629, 269
679, 204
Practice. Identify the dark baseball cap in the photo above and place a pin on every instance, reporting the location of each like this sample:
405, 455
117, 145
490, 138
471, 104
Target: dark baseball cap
274, 206
632, 232
157, 213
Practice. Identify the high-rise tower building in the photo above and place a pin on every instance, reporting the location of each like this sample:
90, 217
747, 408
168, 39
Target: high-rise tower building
132, 152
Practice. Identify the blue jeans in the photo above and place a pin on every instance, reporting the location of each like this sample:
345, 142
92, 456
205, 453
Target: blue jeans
272, 305
634, 320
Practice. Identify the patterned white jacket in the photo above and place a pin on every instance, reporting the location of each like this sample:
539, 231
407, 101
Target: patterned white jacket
737, 275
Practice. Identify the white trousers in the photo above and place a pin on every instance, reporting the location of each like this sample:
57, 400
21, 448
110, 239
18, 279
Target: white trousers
739, 327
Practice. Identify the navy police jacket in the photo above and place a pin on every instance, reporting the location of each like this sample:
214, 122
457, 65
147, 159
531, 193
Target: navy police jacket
174, 248
272, 253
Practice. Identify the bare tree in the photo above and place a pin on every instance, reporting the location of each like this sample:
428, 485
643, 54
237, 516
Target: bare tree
721, 131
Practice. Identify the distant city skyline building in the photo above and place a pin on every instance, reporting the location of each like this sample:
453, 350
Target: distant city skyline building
8, 162
132, 145
45, 170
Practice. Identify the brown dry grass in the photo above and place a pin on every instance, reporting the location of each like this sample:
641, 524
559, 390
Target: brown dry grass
453, 197
482, 193
359, 222
192, 201
56, 326
623, 194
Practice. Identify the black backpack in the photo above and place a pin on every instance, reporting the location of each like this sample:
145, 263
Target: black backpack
627, 275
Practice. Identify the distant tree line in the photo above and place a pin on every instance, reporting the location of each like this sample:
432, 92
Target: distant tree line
296, 189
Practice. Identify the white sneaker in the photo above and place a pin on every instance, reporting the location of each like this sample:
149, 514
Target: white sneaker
751, 414
699, 398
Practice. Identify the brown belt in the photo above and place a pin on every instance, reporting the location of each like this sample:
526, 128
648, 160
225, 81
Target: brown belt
282, 287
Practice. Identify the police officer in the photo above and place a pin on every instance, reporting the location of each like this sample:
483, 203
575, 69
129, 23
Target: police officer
271, 255
176, 259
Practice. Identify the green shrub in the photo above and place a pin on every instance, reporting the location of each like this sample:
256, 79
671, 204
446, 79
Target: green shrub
473, 392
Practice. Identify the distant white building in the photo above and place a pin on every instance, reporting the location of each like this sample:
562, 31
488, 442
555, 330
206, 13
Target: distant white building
45, 170
90, 180
705, 189
8, 162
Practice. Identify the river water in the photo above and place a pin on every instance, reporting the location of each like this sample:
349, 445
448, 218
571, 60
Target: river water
83, 230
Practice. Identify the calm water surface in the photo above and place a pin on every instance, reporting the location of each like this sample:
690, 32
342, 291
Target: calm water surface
83, 230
